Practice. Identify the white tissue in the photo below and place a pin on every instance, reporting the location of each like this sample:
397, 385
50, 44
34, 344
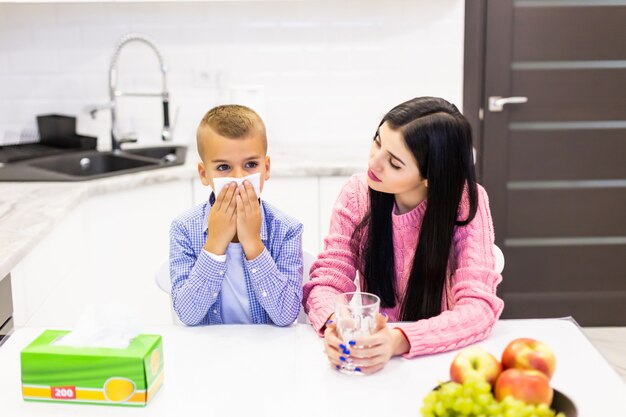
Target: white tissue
105, 326
356, 299
254, 179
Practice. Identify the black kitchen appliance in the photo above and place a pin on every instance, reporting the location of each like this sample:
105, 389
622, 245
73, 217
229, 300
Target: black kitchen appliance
57, 134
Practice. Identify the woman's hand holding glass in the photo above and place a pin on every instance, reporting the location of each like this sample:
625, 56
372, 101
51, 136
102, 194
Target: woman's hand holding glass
368, 353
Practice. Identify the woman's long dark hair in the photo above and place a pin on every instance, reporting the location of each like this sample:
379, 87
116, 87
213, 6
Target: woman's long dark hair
440, 139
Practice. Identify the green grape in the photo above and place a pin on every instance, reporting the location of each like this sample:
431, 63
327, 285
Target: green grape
474, 399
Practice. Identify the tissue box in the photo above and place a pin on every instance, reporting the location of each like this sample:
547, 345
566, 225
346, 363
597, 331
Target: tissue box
128, 377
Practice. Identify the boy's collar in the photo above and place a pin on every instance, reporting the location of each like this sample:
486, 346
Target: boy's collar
205, 225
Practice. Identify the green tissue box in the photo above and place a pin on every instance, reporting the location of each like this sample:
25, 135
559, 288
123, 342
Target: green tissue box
92, 375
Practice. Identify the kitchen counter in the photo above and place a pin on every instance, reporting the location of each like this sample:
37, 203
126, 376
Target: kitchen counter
211, 369
28, 210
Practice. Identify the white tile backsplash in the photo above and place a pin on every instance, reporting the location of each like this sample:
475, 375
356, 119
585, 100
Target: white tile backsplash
33, 61
319, 72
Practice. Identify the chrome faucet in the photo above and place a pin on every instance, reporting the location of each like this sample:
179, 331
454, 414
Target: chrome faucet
114, 93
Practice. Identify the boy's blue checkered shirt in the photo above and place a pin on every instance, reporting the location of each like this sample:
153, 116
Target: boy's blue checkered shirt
273, 279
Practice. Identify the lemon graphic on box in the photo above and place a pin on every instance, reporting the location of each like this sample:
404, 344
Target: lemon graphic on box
118, 389
155, 362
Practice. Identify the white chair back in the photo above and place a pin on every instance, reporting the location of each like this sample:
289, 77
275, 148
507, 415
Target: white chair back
163, 281
307, 260
162, 277
499, 267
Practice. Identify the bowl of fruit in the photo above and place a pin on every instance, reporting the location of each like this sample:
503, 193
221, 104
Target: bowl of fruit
518, 385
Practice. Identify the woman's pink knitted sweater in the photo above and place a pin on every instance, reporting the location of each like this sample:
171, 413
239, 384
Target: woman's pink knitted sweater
470, 306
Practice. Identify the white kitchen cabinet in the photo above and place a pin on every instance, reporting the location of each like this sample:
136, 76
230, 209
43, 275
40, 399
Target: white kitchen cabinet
125, 239
329, 191
40, 273
200, 192
298, 197
133, 225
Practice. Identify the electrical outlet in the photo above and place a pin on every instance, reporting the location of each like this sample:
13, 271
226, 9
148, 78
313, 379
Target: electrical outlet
206, 79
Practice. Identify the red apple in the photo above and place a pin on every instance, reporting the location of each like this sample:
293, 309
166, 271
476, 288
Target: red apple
528, 385
529, 354
475, 363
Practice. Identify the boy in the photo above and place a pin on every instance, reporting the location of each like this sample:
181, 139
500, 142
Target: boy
235, 259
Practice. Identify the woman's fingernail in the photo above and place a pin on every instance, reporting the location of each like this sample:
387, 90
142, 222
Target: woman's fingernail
386, 316
342, 359
357, 369
346, 352
329, 321
342, 346
337, 366
352, 343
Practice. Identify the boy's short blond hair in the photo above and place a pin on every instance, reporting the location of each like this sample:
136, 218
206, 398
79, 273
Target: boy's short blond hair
233, 121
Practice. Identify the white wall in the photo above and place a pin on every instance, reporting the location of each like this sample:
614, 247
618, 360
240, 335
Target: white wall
317, 71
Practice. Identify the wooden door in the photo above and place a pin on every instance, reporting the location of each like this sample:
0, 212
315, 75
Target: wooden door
555, 166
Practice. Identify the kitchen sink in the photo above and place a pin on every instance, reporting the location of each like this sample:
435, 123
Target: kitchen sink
90, 165
85, 165
164, 153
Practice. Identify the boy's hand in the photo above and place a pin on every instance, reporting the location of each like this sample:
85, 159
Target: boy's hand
222, 221
249, 221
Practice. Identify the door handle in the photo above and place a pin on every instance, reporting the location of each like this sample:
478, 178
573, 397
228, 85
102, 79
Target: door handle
496, 103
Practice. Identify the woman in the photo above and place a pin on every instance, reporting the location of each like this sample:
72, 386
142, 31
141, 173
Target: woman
418, 229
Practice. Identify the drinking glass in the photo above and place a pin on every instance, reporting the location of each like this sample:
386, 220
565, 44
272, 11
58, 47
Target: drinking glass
355, 314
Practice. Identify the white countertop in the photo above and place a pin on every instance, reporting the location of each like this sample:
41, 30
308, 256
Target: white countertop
28, 210
269, 371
